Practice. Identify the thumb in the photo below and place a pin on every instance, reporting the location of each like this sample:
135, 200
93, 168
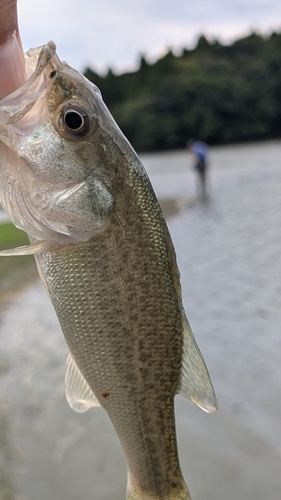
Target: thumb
12, 68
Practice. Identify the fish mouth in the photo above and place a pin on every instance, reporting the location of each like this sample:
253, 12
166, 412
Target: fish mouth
15, 106
37, 59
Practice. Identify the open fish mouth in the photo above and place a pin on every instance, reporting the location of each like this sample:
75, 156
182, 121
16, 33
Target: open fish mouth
16, 105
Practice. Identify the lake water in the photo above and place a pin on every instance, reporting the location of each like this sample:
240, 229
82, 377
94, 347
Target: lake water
229, 255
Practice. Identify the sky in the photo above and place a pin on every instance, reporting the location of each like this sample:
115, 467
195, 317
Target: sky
114, 34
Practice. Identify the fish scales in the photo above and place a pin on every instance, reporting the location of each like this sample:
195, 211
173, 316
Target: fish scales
70, 179
115, 298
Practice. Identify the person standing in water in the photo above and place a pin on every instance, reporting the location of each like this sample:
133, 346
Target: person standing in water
200, 152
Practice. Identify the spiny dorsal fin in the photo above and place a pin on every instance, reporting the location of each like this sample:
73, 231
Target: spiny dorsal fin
195, 383
78, 393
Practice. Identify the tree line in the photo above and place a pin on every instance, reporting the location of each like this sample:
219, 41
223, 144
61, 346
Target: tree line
216, 93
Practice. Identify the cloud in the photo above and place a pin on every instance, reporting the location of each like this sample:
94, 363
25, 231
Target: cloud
104, 33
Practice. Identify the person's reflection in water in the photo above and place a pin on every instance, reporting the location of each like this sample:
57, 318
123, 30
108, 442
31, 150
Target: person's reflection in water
200, 152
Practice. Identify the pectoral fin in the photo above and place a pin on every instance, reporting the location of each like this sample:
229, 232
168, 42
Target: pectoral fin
195, 383
34, 248
78, 393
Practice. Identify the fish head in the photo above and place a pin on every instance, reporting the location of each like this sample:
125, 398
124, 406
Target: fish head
59, 152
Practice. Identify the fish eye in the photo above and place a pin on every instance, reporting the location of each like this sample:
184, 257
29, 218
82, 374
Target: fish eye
73, 121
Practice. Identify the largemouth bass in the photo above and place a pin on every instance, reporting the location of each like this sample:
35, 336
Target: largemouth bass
72, 181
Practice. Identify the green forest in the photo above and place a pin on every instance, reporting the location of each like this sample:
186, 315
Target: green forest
216, 93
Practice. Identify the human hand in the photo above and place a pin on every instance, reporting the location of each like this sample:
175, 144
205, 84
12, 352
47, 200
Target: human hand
12, 69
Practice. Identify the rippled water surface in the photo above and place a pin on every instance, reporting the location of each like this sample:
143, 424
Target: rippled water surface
229, 255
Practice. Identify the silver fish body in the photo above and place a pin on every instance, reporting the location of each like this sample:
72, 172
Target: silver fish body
71, 180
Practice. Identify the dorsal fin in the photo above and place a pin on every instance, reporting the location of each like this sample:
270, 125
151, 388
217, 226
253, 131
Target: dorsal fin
78, 393
195, 383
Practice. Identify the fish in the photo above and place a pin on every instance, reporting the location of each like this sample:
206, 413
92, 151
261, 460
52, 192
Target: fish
71, 180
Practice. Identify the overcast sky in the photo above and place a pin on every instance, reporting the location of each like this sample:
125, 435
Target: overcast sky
113, 33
